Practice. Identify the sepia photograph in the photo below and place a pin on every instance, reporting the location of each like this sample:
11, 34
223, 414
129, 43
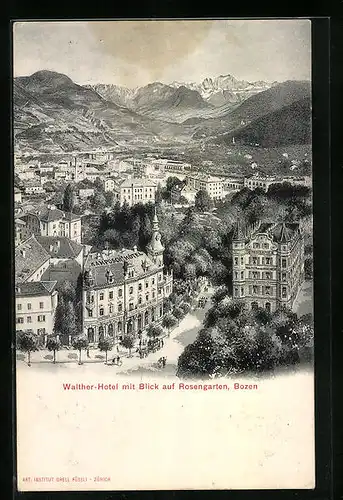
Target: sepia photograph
163, 243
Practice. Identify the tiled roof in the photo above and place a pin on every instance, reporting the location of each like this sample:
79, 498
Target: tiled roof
52, 214
115, 263
282, 233
29, 256
137, 182
38, 288
66, 248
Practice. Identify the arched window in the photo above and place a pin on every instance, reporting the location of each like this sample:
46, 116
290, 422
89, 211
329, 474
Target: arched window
101, 332
120, 326
146, 317
268, 307
110, 330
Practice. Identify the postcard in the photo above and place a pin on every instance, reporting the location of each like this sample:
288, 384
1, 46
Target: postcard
163, 255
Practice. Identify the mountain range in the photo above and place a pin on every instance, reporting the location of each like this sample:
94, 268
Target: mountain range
54, 114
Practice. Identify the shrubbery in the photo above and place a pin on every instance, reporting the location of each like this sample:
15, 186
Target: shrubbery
235, 340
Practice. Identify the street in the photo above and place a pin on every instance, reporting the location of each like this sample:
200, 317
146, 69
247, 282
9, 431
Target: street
184, 334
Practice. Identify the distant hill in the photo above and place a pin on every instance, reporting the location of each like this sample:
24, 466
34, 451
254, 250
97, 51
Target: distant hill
290, 125
54, 114
255, 107
157, 100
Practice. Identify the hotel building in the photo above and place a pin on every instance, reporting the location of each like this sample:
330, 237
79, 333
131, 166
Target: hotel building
123, 291
268, 265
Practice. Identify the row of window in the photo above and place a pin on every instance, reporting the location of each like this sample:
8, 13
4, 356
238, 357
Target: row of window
41, 319
260, 290
256, 275
255, 261
29, 306
120, 305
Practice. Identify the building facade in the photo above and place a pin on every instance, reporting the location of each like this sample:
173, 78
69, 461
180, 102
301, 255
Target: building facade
35, 304
54, 222
123, 291
212, 185
31, 261
268, 265
133, 191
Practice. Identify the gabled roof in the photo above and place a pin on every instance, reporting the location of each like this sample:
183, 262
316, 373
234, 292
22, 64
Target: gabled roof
35, 288
63, 247
283, 233
54, 214
115, 263
29, 256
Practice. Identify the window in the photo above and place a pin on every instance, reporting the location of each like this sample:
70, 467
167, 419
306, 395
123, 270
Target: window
101, 311
283, 276
29, 319
120, 307
41, 305
242, 260
153, 281
131, 306
29, 306
268, 260
268, 275
101, 297
41, 318
160, 277
265, 245
146, 284
256, 245
20, 320
236, 261
153, 295
140, 286
147, 297
255, 275
242, 292
242, 275
236, 275
254, 261
41, 331
267, 290
110, 308
284, 263
139, 300
131, 290
120, 292
284, 292
236, 292
19, 307
255, 290
110, 295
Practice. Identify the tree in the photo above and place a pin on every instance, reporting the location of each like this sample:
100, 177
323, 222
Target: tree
109, 197
185, 307
80, 343
98, 201
169, 321
128, 342
66, 290
105, 345
27, 342
203, 202
154, 331
53, 344
68, 199
178, 313
65, 318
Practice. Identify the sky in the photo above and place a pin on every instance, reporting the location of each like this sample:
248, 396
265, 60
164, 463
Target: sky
135, 53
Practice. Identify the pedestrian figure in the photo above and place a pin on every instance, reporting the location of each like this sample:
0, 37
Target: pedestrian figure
118, 359
114, 361
164, 360
88, 356
117, 348
162, 343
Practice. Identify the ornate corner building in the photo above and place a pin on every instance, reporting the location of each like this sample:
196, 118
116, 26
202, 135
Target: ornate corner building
123, 291
268, 265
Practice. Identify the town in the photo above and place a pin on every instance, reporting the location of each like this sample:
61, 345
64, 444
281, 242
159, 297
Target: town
70, 292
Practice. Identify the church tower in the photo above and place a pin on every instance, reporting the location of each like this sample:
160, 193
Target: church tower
155, 248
